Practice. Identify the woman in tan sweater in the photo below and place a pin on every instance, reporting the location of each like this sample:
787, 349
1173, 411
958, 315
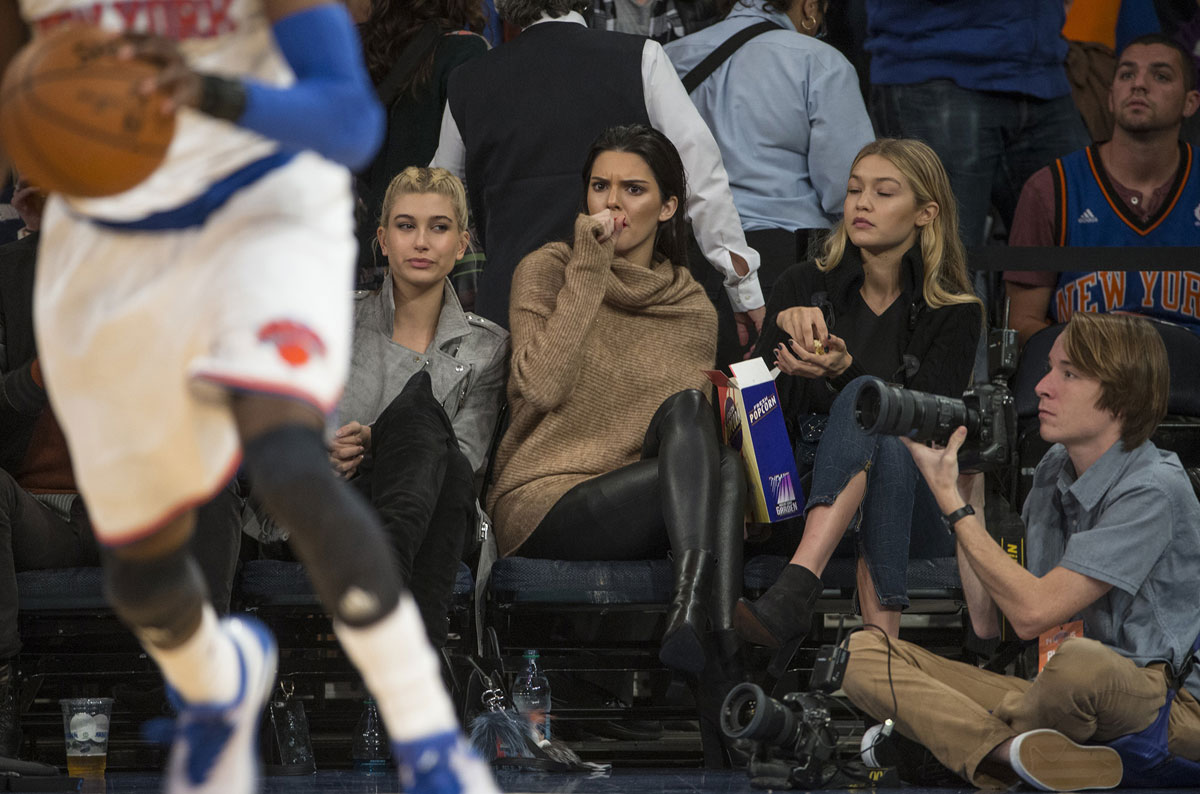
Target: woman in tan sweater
612, 452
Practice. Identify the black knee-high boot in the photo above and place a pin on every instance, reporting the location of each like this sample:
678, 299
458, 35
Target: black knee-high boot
722, 647
682, 435
728, 541
687, 617
422, 487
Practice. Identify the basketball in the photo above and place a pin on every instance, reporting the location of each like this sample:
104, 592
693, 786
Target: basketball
72, 120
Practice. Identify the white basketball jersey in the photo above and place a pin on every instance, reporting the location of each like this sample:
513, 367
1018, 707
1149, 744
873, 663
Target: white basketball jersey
224, 37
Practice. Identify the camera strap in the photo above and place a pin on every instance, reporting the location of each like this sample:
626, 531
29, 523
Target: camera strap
700, 72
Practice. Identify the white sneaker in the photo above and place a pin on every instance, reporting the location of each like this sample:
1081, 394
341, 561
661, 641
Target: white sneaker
913, 762
1048, 760
442, 764
866, 748
215, 748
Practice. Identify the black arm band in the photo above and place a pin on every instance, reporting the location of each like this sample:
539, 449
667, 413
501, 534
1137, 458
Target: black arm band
958, 515
221, 97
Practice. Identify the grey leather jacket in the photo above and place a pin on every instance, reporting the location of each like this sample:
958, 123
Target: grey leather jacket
467, 363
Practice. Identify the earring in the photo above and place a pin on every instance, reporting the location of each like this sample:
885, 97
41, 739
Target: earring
810, 23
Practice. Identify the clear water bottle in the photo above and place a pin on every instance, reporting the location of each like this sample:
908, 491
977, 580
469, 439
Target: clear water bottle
531, 694
370, 747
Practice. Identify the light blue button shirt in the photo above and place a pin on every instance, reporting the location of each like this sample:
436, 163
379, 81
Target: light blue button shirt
1131, 520
788, 115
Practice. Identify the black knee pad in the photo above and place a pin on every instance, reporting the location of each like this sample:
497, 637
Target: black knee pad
160, 599
334, 532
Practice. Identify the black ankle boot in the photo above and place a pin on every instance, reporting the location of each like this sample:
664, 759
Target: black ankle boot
687, 617
780, 618
10, 719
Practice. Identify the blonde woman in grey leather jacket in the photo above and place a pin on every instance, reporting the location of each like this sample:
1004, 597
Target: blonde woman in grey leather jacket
425, 387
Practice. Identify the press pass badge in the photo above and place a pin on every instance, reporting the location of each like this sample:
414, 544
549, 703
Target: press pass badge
1051, 638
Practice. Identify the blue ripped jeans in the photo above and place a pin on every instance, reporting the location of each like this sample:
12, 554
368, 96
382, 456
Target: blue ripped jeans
898, 517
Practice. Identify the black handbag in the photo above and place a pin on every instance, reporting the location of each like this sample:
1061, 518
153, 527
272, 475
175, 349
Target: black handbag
505, 738
284, 739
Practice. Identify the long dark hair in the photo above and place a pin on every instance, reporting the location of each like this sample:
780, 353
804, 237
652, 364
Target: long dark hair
660, 154
392, 24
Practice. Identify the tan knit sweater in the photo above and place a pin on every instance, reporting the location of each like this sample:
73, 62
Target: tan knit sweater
598, 343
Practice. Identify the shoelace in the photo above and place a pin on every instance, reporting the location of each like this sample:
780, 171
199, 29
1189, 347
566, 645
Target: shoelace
205, 734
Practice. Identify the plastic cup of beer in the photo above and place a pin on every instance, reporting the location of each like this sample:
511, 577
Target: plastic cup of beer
85, 725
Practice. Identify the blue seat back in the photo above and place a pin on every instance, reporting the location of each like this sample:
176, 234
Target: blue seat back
1183, 353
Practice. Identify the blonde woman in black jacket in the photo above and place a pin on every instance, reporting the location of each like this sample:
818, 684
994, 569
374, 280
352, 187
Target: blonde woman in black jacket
889, 298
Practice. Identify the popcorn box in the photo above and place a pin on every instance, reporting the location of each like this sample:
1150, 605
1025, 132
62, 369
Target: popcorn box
752, 423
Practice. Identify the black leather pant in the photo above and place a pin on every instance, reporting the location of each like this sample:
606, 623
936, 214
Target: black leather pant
423, 488
687, 492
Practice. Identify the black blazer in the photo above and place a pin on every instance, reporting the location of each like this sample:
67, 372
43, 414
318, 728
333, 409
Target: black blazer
528, 112
21, 399
939, 348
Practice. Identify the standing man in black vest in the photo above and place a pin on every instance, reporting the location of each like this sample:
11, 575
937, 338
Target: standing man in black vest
518, 124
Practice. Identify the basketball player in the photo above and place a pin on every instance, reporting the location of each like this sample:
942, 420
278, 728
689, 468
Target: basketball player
200, 321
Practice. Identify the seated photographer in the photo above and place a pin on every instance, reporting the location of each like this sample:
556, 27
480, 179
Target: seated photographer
612, 452
424, 391
1113, 538
893, 284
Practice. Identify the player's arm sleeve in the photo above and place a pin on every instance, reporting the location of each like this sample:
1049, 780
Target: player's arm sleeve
332, 107
715, 220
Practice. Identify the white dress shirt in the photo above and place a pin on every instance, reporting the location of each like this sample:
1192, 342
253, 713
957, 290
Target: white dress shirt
710, 205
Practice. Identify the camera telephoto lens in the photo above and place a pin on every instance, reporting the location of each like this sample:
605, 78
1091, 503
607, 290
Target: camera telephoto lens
893, 411
749, 713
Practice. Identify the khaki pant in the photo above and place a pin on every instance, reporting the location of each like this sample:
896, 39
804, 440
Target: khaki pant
961, 713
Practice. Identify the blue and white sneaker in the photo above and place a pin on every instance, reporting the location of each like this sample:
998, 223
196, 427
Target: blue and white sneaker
444, 763
215, 747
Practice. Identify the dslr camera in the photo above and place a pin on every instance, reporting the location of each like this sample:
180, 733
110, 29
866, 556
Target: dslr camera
988, 411
795, 743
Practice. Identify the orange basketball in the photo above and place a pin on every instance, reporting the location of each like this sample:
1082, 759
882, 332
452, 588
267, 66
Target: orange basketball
71, 117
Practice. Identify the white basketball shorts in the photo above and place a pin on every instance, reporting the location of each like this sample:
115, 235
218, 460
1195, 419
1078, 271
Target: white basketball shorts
142, 335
